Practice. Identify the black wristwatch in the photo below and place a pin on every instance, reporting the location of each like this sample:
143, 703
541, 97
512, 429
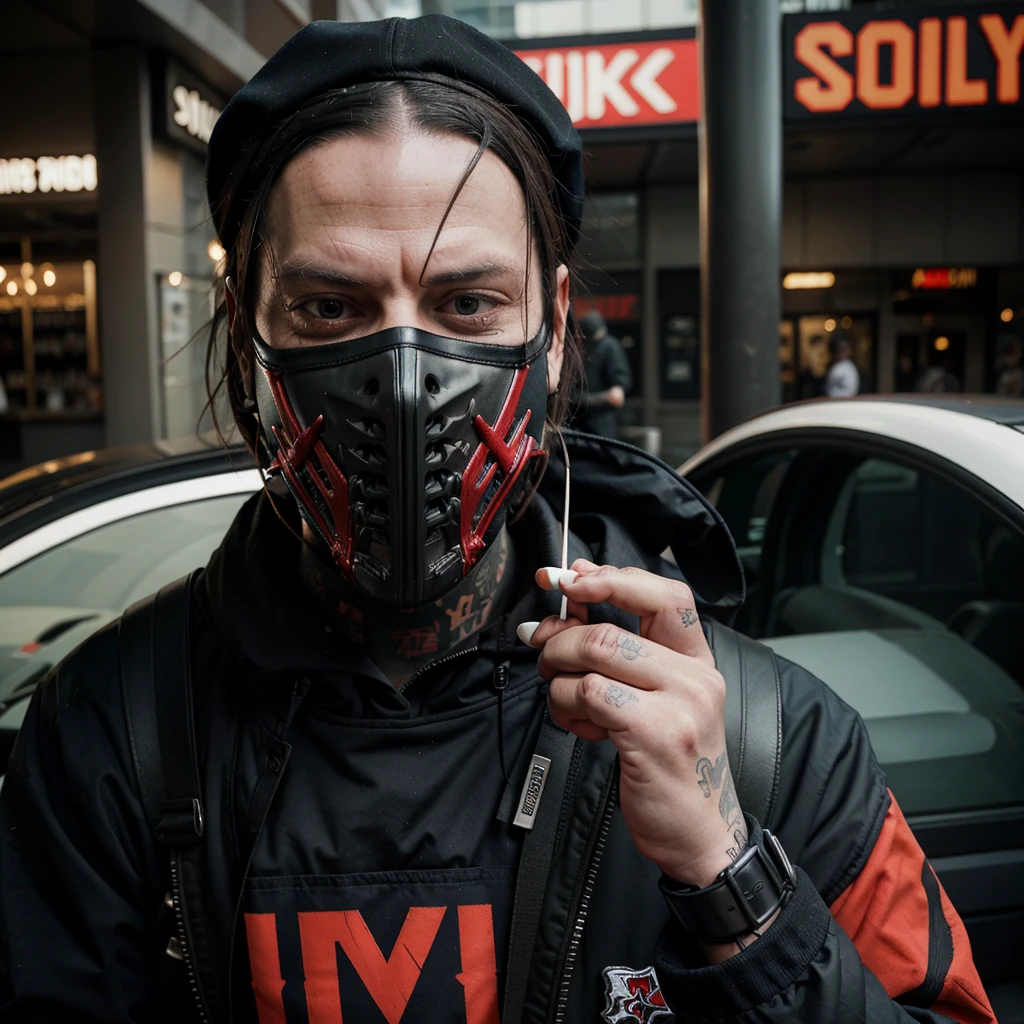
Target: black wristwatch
742, 898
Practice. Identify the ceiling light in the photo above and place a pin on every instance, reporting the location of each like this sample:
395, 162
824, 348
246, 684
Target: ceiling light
30, 286
846, 323
216, 251
27, 270
809, 279
830, 325
941, 343
1006, 316
174, 278
12, 287
3, 273
49, 278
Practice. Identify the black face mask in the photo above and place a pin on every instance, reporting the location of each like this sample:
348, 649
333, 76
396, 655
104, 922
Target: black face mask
402, 449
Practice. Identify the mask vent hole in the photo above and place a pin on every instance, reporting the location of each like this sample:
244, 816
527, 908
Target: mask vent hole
437, 424
370, 427
371, 387
371, 455
433, 385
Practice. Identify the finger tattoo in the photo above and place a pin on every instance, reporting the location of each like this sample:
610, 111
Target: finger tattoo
616, 695
632, 648
689, 617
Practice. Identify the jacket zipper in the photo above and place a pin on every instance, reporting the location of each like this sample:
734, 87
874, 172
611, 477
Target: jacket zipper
447, 659
590, 879
185, 946
299, 691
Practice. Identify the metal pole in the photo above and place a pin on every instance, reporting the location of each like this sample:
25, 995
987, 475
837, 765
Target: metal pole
740, 152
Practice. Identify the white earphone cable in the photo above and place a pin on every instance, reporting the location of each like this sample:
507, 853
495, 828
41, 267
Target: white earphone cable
565, 524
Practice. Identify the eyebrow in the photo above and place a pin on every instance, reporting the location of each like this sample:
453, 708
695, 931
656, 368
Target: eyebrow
308, 271
469, 274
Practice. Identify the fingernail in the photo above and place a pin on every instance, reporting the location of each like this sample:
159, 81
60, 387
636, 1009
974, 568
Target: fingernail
525, 631
556, 575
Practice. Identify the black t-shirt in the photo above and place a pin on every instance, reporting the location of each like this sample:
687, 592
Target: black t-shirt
383, 879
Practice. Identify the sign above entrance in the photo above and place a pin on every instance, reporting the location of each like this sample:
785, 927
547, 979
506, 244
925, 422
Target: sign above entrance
944, 61
188, 108
613, 85
48, 174
944, 278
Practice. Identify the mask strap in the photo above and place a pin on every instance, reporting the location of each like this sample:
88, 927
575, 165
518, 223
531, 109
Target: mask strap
565, 523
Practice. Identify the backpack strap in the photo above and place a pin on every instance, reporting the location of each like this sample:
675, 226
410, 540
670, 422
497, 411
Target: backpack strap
753, 718
156, 687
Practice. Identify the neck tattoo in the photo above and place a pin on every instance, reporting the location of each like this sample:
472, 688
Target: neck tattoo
402, 642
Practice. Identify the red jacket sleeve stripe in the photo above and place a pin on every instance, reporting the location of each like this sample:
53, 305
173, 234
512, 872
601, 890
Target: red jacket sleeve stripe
906, 930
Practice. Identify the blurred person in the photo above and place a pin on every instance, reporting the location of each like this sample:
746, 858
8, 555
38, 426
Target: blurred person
843, 377
608, 378
369, 760
1009, 366
938, 377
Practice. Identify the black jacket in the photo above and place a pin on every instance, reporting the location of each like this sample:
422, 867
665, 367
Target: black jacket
358, 846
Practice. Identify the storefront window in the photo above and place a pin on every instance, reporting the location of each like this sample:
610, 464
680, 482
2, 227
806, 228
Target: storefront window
49, 349
812, 340
610, 232
679, 334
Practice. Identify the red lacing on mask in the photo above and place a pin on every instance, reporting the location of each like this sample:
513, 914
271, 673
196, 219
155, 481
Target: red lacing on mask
298, 449
509, 455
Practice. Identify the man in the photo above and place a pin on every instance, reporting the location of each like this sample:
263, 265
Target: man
608, 378
843, 377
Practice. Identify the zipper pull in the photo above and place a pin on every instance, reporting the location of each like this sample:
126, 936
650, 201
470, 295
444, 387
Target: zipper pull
533, 790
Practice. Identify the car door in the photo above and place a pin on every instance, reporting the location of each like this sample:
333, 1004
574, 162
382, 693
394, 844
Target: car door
899, 580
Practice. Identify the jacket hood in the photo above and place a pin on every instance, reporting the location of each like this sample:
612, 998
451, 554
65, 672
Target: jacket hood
615, 487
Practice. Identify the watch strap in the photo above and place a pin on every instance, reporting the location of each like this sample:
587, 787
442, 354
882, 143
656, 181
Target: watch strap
742, 898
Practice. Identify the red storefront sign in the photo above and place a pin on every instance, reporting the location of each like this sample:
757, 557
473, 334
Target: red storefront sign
908, 63
616, 84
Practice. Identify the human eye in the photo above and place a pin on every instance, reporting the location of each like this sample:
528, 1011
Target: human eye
327, 309
476, 308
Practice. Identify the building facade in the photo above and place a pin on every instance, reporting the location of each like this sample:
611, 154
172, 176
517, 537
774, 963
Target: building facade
107, 252
903, 213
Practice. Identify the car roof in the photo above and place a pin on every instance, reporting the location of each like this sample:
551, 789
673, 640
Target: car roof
997, 408
982, 437
46, 492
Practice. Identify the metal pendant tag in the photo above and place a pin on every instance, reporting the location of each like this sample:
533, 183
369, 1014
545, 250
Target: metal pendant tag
533, 787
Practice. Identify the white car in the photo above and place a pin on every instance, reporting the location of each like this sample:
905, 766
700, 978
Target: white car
883, 545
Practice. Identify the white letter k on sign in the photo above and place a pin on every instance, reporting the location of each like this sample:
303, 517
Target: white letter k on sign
604, 83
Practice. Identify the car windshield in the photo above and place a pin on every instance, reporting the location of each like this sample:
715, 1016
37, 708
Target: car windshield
52, 602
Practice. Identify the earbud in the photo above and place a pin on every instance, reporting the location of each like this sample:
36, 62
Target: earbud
229, 301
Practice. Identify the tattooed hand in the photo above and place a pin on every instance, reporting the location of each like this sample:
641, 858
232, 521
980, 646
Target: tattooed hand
659, 698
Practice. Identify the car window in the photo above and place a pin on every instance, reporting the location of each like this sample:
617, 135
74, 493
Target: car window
914, 617
52, 602
744, 494
919, 539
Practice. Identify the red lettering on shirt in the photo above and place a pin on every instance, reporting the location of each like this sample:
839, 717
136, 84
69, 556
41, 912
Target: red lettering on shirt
267, 983
479, 976
389, 981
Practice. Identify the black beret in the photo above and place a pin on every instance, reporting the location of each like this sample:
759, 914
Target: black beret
329, 55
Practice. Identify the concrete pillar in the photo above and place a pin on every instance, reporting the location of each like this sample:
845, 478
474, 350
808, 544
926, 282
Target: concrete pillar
740, 158
127, 293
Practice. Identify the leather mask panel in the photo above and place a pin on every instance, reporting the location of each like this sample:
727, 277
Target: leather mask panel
401, 449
